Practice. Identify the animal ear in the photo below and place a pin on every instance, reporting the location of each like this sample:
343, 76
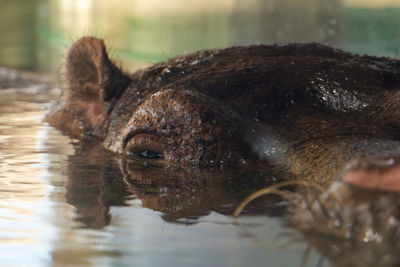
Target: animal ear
90, 73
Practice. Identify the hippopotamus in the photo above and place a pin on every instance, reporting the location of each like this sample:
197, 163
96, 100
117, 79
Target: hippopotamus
301, 111
231, 105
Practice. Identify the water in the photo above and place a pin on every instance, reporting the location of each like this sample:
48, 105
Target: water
62, 204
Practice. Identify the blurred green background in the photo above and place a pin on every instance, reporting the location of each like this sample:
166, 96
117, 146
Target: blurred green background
35, 34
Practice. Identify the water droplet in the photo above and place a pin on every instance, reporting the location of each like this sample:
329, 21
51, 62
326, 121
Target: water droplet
194, 62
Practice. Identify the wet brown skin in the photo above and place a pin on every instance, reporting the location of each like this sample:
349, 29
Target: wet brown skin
362, 204
302, 110
222, 106
358, 215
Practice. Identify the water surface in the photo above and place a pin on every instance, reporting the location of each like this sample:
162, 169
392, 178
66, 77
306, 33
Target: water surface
62, 204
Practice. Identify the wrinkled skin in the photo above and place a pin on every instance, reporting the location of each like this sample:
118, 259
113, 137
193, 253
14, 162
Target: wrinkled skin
270, 103
299, 111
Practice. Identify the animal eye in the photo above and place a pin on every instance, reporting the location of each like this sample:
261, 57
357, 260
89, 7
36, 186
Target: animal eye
144, 146
149, 154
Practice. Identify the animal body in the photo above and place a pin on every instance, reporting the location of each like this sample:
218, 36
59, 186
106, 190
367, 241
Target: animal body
304, 110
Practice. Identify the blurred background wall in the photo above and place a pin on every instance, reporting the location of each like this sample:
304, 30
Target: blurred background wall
35, 34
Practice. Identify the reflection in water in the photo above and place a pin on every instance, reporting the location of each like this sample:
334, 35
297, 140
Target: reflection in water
74, 205
176, 192
26, 213
78, 205
63, 204
167, 216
